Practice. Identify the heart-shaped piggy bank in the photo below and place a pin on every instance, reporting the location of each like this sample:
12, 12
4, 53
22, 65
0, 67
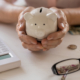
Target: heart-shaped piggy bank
40, 22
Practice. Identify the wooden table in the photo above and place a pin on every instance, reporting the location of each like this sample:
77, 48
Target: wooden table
37, 66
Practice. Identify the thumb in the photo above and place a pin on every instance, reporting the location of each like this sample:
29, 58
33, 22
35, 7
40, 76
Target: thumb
22, 27
61, 26
61, 23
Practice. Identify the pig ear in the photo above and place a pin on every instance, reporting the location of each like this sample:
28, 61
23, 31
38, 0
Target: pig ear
52, 16
27, 16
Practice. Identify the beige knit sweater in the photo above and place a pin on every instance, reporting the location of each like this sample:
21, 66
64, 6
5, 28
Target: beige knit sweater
51, 3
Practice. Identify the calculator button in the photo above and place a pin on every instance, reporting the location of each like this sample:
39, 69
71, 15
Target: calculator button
3, 49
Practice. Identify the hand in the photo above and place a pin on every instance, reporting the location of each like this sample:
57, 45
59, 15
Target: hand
27, 41
54, 39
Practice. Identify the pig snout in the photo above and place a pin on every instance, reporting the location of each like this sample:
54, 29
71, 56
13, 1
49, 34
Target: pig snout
40, 33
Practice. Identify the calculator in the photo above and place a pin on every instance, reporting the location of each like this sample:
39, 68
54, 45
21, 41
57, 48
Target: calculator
8, 60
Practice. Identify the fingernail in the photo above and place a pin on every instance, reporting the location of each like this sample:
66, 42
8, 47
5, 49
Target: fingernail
40, 47
44, 49
34, 43
20, 26
62, 25
45, 42
50, 38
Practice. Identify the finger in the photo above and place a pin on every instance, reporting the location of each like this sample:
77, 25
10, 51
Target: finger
21, 25
25, 38
61, 18
23, 28
21, 20
44, 41
34, 50
40, 46
51, 42
30, 46
47, 47
56, 35
60, 14
17, 27
61, 23
59, 34
28, 9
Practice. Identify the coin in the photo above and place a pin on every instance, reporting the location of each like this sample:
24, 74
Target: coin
72, 47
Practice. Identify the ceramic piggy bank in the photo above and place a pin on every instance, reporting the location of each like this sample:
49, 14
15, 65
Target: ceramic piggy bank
40, 22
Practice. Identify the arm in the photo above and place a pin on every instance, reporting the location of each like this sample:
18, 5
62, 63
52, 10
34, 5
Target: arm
73, 15
8, 12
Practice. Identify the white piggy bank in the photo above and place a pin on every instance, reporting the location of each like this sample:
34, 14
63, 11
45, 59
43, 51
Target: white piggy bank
40, 22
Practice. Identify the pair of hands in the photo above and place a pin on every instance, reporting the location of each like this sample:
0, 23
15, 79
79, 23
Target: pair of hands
52, 41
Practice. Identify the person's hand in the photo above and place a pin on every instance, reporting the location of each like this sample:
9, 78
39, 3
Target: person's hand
55, 38
27, 41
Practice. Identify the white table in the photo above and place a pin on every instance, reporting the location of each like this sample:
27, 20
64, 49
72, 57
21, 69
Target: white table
37, 66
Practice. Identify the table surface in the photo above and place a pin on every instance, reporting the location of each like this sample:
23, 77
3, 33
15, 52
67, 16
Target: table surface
37, 65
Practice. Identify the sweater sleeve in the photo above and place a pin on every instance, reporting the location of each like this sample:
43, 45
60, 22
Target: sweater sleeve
51, 3
68, 3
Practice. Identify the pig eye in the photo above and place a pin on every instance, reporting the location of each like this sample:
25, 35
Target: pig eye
35, 24
43, 24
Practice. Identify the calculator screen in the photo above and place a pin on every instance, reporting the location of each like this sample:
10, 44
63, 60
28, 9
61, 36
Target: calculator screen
5, 56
